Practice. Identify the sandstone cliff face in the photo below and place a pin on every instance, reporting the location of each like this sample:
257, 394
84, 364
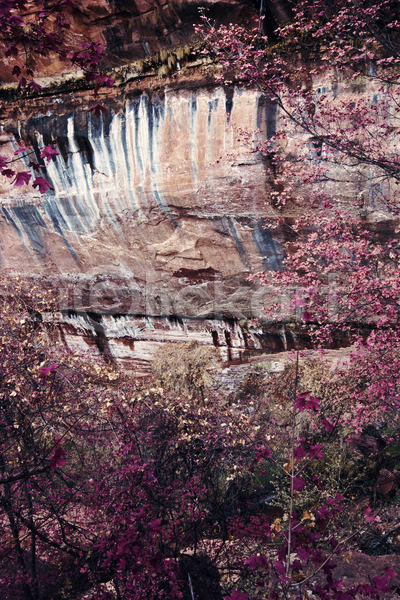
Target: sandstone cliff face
157, 214
147, 228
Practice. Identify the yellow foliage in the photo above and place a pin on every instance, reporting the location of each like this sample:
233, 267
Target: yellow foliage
185, 367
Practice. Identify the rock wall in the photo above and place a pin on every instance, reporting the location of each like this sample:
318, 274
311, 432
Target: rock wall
139, 29
150, 229
157, 213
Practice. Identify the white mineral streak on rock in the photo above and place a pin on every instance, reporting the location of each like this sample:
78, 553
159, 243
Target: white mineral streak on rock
78, 322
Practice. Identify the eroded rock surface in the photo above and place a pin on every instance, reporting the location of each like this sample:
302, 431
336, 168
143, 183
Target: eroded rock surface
148, 218
157, 213
137, 29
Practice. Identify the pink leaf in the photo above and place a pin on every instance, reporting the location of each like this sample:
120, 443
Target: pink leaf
34, 86
45, 371
154, 527
298, 302
48, 152
107, 81
303, 553
381, 583
367, 513
57, 460
323, 513
20, 149
389, 572
98, 109
34, 165
42, 184
258, 561
299, 452
91, 75
328, 426
306, 402
22, 178
314, 479
17, 71
316, 451
264, 453
279, 568
11, 50
298, 484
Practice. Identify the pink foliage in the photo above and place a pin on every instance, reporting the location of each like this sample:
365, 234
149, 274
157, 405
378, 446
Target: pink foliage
45, 371
57, 460
341, 277
97, 109
48, 152
235, 595
22, 178
42, 184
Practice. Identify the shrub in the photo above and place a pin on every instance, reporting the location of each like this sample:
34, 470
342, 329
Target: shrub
186, 368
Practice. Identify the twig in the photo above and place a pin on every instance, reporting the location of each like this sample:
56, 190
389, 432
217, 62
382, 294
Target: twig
190, 585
